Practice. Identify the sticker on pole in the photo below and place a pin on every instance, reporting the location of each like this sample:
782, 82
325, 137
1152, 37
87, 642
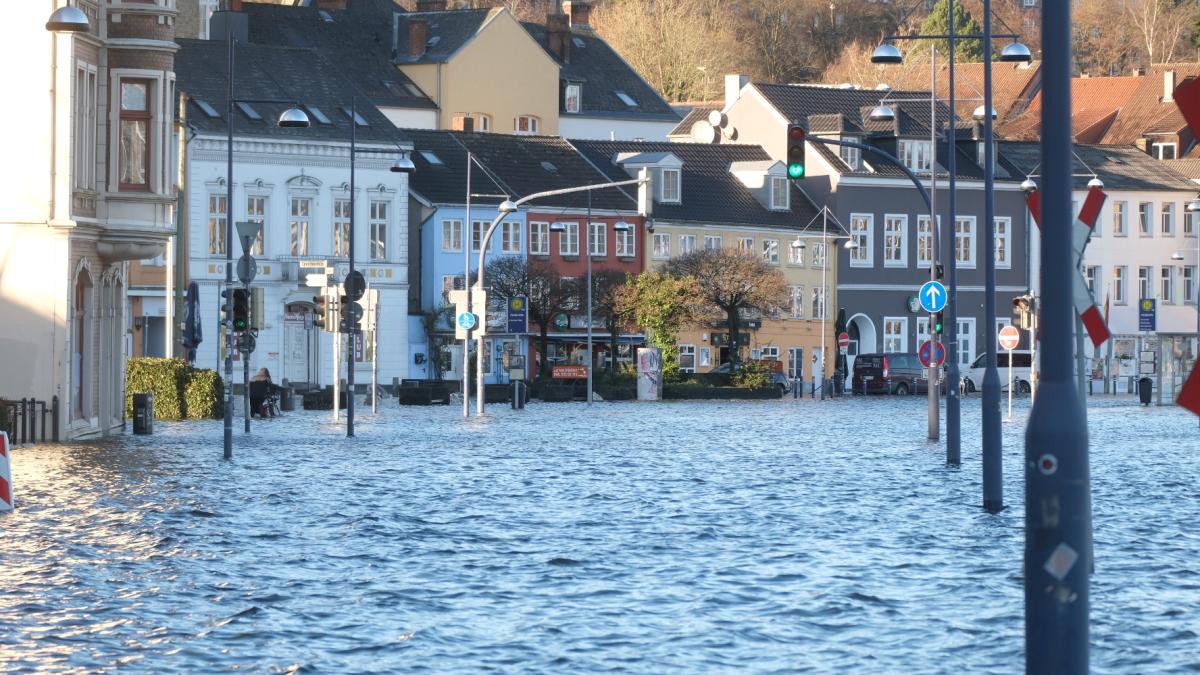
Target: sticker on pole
932, 354
6, 498
467, 321
1009, 337
933, 296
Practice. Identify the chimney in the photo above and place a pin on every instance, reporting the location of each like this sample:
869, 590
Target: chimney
418, 37
558, 35
235, 5
462, 123
431, 5
323, 4
580, 13
733, 87
1168, 86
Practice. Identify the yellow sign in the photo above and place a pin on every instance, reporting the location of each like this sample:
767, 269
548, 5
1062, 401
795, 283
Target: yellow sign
516, 303
1148, 305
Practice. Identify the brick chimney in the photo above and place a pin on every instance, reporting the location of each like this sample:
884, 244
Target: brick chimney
418, 36
1168, 86
558, 35
462, 123
431, 5
235, 5
580, 13
324, 4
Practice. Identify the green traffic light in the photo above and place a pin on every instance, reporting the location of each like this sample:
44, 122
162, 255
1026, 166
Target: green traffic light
796, 170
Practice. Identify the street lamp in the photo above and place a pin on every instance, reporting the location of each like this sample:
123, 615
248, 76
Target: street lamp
882, 113
68, 19
292, 118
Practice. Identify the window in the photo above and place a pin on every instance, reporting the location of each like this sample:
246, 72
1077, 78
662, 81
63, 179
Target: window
1120, 219
687, 244
795, 362
341, 228
134, 164
770, 251
353, 114
483, 122
669, 191
1189, 284
924, 241
916, 155
1090, 274
452, 233
216, 224
818, 254
796, 255
379, 223
1189, 222
627, 242
1145, 228
626, 99
852, 157
895, 334
301, 207
1164, 150
256, 211
1144, 289
452, 283
779, 194
318, 114
539, 239
1118, 287
568, 239
705, 357
1003, 255
964, 241
478, 228
895, 240
510, 237
861, 234
797, 302
1167, 283
571, 96
597, 240
687, 358
85, 126
662, 245
922, 329
526, 124
712, 242
818, 303
249, 111
745, 245
966, 341
207, 7
1167, 217
431, 157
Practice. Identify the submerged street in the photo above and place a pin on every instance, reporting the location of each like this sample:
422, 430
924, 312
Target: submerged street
673, 537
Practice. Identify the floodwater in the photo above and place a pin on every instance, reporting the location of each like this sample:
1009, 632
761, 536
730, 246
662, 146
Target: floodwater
653, 538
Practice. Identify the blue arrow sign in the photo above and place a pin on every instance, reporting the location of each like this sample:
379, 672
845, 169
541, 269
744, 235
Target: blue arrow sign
933, 296
467, 320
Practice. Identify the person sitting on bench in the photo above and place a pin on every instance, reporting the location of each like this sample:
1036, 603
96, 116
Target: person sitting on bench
261, 390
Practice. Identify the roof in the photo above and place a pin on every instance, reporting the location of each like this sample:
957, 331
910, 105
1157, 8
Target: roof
448, 31
697, 113
358, 39
1189, 168
1013, 84
521, 165
1096, 102
278, 73
1146, 109
710, 193
1120, 167
603, 73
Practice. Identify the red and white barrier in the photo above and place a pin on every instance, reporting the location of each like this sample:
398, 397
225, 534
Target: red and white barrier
1081, 232
6, 498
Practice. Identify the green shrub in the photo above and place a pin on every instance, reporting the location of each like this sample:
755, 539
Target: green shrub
753, 375
203, 395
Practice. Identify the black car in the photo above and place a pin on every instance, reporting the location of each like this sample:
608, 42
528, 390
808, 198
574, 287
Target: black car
894, 373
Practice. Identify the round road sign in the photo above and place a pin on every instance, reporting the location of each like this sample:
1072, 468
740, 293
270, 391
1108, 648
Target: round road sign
933, 296
932, 352
1009, 337
355, 285
247, 269
843, 339
467, 321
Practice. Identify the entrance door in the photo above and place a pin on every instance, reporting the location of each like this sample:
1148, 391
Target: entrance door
297, 355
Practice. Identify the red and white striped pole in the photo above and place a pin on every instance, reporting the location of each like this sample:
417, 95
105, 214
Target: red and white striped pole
6, 498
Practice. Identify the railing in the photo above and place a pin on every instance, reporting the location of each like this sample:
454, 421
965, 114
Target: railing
21, 420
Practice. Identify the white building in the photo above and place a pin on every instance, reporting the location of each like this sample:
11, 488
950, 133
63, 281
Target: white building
296, 182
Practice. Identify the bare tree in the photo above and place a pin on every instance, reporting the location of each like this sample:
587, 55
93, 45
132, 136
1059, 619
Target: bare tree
548, 293
1161, 26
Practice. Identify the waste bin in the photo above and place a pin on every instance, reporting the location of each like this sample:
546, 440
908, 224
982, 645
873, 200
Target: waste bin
287, 398
143, 413
1145, 388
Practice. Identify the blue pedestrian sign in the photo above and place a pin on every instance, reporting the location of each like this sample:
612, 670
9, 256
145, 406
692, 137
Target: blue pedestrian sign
933, 296
467, 321
1147, 315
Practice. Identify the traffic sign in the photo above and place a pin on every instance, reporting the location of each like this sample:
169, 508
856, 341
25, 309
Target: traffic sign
355, 285
316, 280
843, 339
467, 321
246, 268
518, 314
933, 296
1009, 337
1147, 315
930, 352
352, 312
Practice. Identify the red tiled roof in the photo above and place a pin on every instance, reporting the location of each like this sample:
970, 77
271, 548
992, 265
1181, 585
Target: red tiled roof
1012, 84
1146, 108
1096, 102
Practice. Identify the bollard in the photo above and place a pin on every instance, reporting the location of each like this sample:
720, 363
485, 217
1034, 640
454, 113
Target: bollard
518, 395
143, 413
54, 418
6, 498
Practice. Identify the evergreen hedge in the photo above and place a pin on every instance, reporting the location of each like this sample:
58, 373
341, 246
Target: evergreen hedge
179, 391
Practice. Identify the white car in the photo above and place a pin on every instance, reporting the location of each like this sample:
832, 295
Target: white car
1022, 372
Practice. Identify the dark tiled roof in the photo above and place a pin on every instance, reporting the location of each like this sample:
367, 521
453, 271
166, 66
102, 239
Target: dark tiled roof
358, 39
603, 72
710, 194
278, 73
1189, 168
1120, 167
697, 113
448, 32
522, 165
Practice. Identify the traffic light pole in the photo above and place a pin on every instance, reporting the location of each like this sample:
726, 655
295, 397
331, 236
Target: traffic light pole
228, 318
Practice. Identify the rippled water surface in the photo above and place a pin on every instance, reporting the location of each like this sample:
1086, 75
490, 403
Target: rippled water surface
678, 537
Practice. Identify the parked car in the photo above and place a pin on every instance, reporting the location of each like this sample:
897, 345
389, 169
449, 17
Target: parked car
893, 373
777, 378
1022, 362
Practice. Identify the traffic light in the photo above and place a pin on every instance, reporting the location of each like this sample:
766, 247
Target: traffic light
241, 309
226, 308
320, 311
1023, 308
941, 271
795, 151
937, 324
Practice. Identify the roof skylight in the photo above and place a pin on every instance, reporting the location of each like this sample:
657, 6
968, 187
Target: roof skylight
249, 111
208, 109
414, 90
322, 118
358, 119
325, 16
431, 157
626, 99
578, 42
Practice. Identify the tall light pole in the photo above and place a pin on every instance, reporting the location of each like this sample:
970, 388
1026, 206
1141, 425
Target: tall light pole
1193, 209
993, 460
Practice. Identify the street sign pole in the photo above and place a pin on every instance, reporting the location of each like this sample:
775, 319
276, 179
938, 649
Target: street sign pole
1009, 338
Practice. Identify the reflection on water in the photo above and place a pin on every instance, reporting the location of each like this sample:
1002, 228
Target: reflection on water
676, 537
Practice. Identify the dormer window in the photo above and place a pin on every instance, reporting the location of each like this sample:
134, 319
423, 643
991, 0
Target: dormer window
572, 94
669, 186
981, 154
779, 194
917, 155
852, 157
1164, 150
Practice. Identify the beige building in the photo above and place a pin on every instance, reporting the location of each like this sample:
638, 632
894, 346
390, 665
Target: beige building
87, 188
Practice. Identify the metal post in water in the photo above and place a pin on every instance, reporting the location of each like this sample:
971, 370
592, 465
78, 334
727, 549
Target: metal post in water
993, 457
953, 379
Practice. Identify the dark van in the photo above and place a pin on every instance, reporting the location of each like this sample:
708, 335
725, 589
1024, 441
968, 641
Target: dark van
894, 373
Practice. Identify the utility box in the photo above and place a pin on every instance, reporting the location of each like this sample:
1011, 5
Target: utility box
143, 413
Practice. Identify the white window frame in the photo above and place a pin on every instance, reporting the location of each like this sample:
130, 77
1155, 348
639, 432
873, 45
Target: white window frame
925, 241
626, 241
688, 350
1003, 232
568, 240
341, 227
917, 155
1092, 273
818, 303
572, 92
662, 246
687, 243
770, 251
257, 208
1166, 216
779, 188
969, 262
528, 125
483, 121
895, 243
379, 216
966, 341
1145, 282
796, 302
796, 255
478, 227
1120, 281
712, 242
1158, 150
1166, 284
539, 238
862, 231
298, 224
670, 186
1120, 219
87, 92
218, 212
1189, 284
705, 357
1146, 219
598, 239
851, 157
510, 237
452, 229
895, 341
1190, 220
818, 254
922, 329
